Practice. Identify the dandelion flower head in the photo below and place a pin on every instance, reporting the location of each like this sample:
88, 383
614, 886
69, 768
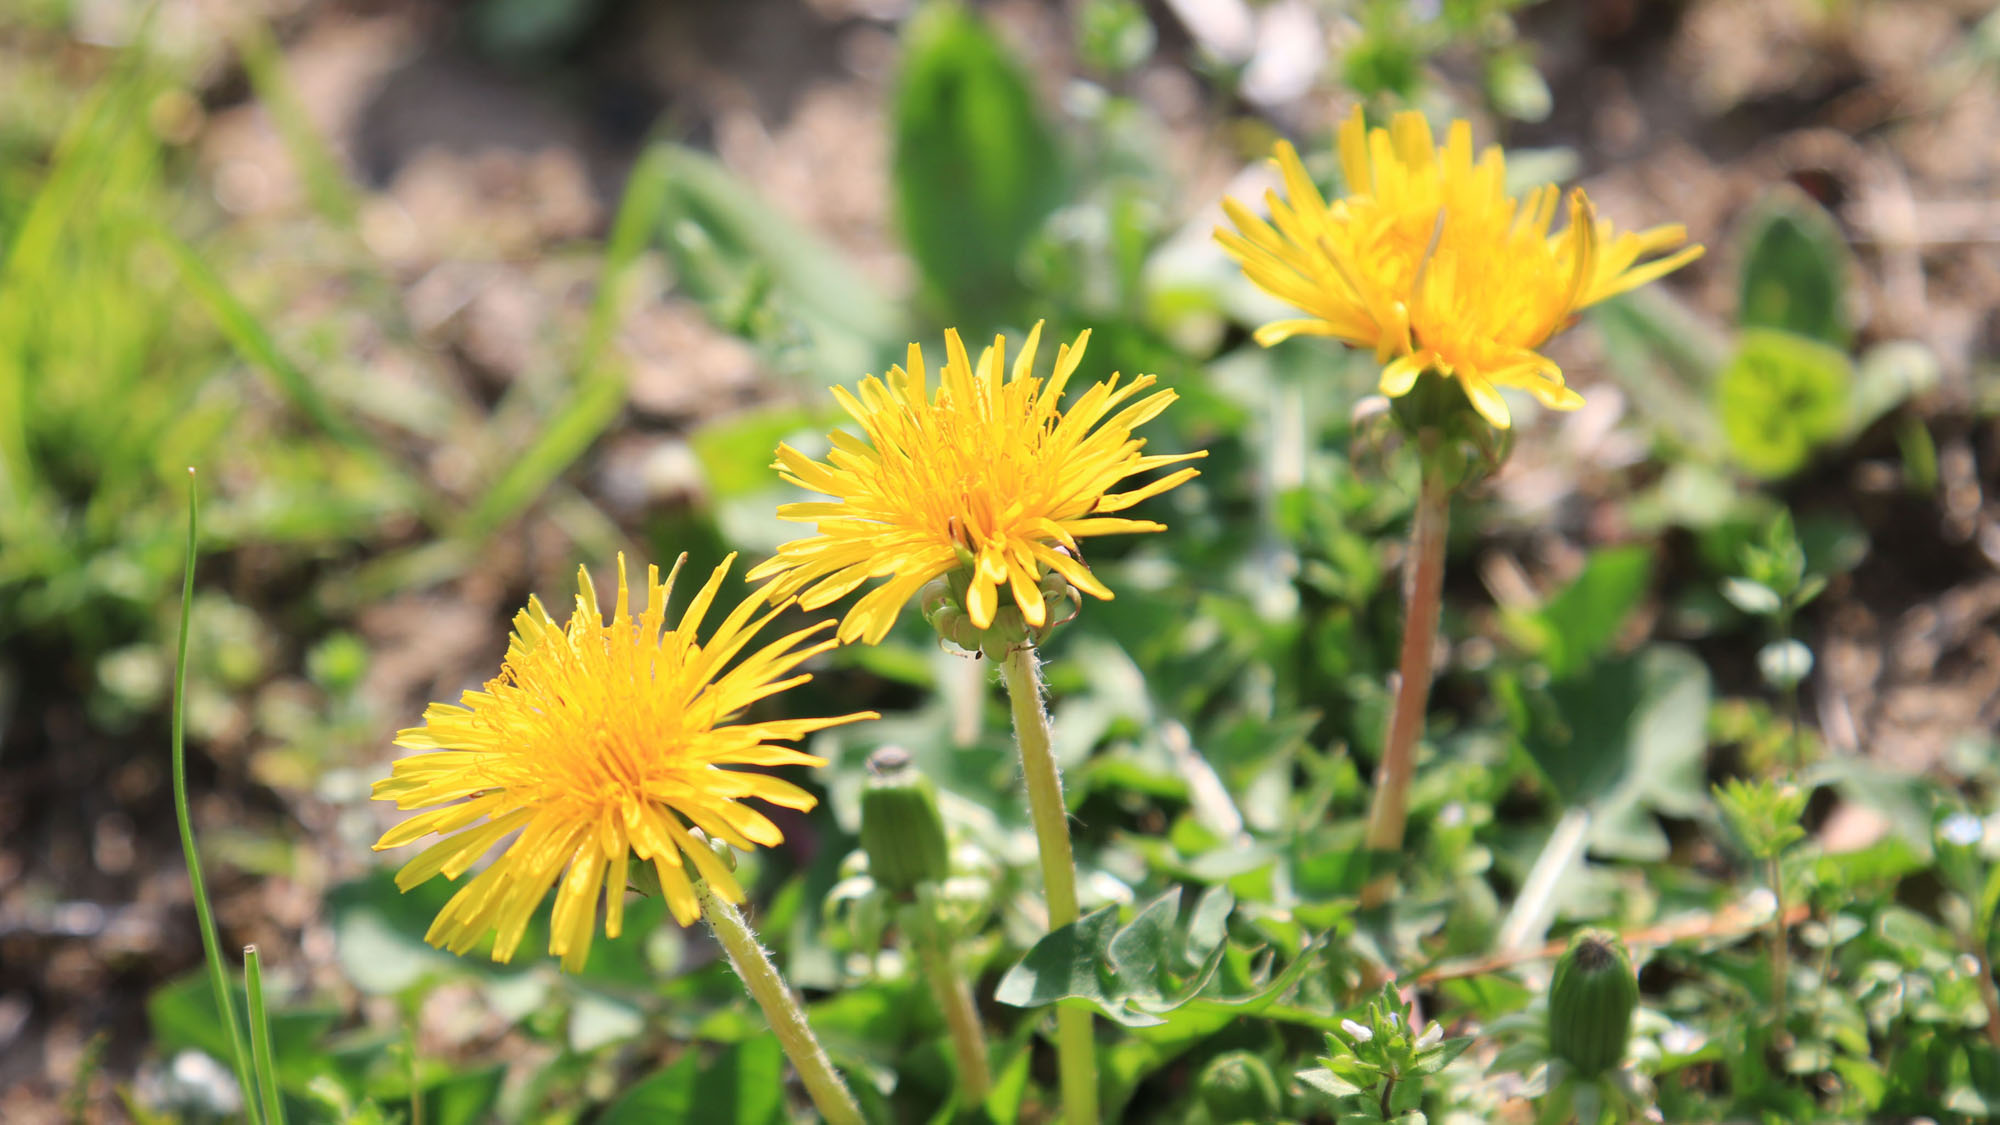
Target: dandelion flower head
985, 471
1431, 264
596, 743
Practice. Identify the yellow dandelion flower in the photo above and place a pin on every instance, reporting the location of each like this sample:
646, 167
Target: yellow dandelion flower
1429, 262
598, 742
984, 472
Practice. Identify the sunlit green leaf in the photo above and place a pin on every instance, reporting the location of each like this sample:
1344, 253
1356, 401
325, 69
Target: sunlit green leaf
1780, 398
1794, 270
977, 168
743, 1084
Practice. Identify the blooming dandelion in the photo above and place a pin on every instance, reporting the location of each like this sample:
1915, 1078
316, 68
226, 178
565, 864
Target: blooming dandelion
1429, 262
597, 743
984, 472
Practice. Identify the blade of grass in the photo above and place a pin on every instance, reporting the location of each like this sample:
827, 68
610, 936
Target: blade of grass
225, 1003
600, 386
262, 1059
326, 184
248, 336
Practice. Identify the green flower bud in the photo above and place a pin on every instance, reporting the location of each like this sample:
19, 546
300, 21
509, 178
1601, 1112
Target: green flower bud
900, 827
943, 604
1238, 1086
1591, 1001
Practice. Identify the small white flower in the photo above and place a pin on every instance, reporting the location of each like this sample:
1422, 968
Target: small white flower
1760, 904
1392, 1019
1962, 829
1680, 1039
1432, 1036
1356, 1032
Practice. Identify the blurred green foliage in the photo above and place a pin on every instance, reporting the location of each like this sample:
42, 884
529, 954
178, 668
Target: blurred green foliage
976, 166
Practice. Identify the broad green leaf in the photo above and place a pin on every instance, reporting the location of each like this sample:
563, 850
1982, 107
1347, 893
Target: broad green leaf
977, 168
450, 1096
378, 932
379, 940
182, 1013
1150, 1048
1578, 624
743, 1084
1134, 973
1780, 398
1624, 738
736, 453
1794, 270
596, 1020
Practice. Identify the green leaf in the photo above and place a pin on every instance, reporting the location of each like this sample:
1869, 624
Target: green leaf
1516, 87
379, 940
1624, 737
1135, 973
1752, 597
744, 1084
1579, 624
1437, 1058
450, 1096
596, 1020
731, 250
378, 932
183, 1014
737, 452
1794, 270
977, 168
597, 388
1327, 1082
1780, 398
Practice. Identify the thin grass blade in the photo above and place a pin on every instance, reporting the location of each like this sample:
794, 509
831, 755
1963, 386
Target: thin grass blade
262, 1059
326, 184
600, 386
225, 1003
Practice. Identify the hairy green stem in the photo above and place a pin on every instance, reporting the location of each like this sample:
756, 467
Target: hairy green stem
211, 947
1075, 1044
753, 966
1388, 811
954, 998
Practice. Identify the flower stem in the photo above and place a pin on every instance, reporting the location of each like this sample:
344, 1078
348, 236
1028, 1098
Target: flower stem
1422, 595
1075, 1047
953, 996
1988, 995
1779, 968
823, 1084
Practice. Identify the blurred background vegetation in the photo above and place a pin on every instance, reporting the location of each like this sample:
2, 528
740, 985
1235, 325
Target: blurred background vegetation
445, 298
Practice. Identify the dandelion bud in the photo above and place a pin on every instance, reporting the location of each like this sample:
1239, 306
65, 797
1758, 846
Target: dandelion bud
1591, 1001
1238, 1086
900, 827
